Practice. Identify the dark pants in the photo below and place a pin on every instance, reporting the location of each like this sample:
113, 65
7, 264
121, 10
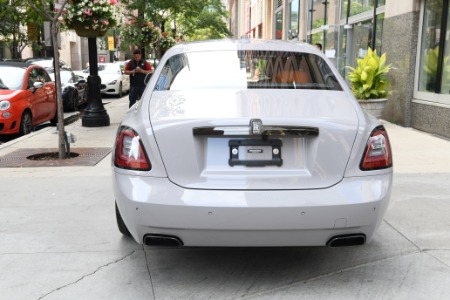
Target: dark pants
135, 94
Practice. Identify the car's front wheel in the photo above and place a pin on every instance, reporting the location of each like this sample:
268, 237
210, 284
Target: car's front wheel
25, 123
120, 223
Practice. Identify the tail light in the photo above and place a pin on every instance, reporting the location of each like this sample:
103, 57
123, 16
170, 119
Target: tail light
378, 154
129, 152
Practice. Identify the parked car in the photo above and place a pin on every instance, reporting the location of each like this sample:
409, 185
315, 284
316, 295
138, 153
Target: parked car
74, 88
46, 62
27, 97
250, 143
114, 81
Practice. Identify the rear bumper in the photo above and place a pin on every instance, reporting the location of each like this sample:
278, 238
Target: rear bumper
252, 218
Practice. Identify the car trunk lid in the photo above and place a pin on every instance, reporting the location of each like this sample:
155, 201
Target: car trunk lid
254, 139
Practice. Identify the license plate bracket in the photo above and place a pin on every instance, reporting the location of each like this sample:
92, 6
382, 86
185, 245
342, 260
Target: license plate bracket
257, 152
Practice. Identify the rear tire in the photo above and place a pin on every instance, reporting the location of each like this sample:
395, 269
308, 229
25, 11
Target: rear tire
74, 101
25, 123
54, 121
120, 223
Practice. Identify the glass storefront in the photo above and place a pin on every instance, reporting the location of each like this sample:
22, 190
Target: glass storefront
345, 35
359, 6
430, 45
294, 12
434, 68
445, 83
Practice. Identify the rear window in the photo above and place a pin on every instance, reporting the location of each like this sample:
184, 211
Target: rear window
246, 70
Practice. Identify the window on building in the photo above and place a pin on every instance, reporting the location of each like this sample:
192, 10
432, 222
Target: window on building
357, 31
359, 6
434, 68
294, 12
379, 32
278, 19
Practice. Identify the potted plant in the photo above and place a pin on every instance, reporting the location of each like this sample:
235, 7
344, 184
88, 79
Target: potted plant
90, 18
142, 32
165, 42
369, 83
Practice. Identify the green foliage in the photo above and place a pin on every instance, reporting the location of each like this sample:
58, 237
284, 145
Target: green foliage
368, 78
140, 32
166, 40
318, 22
430, 62
430, 68
192, 19
14, 17
262, 66
97, 15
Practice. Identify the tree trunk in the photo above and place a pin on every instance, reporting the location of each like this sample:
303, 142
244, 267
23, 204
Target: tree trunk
59, 105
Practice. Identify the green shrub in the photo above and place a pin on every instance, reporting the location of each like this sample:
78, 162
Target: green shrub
368, 80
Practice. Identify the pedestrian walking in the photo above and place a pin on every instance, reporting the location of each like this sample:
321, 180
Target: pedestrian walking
137, 68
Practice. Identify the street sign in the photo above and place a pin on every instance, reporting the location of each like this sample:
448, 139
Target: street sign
111, 43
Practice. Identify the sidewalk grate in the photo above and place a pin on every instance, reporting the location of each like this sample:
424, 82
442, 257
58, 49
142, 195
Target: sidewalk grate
86, 157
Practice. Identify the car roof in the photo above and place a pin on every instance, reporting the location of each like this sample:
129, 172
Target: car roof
245, 44
17, 64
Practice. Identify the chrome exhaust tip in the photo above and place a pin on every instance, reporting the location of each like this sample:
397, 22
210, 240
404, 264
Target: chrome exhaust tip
347, 240
162, 240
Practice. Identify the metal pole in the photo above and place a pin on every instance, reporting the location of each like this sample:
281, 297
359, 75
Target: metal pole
95, 114
325, 24
374, 24
311, 10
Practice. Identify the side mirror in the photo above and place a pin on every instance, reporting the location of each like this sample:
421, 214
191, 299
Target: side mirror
37, 85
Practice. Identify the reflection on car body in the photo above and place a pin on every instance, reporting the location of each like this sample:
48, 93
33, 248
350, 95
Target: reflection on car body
250, 144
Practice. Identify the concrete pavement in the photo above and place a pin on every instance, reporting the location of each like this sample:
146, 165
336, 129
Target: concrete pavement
58, 237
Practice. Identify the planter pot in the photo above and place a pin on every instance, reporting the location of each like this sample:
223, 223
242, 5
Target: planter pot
374, 106
89, 33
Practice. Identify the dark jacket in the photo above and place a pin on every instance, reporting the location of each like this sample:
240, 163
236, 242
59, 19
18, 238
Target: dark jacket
138, 78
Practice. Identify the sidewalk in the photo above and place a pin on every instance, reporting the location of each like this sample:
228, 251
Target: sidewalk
91, 142
413, 151
59, 238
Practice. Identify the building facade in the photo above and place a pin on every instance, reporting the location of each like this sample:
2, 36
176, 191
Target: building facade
414, 34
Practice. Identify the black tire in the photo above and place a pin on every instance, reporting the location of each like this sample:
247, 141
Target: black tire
120, 224
120, 94
54, 121
74, 101
25, 123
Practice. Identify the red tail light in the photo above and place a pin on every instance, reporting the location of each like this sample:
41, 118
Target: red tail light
378, 154
129, 152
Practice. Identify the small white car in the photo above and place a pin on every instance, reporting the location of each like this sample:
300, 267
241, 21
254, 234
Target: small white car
250, 143
114, 81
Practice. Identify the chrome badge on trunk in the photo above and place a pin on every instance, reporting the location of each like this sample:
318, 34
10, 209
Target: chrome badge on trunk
256, 126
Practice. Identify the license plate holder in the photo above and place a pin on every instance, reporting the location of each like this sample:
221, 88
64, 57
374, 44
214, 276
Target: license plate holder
253, 152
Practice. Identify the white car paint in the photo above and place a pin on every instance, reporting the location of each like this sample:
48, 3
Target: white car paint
192, 191
112, 78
